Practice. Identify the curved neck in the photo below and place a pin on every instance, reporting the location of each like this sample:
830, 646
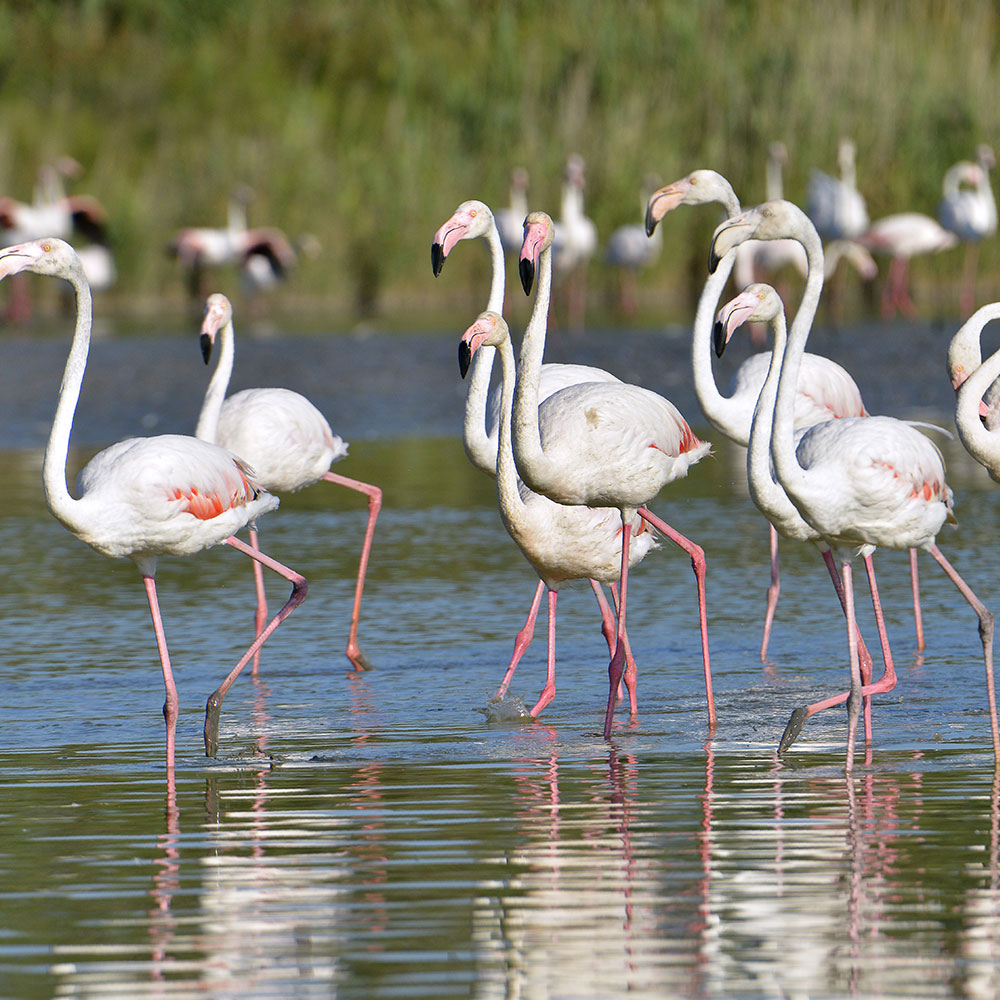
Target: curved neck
57, 494
981, 443
535, 469
508, 493
474, 436
722, 411
783, 432
215, 394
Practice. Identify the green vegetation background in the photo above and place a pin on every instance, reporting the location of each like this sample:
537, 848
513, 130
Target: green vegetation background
365, 122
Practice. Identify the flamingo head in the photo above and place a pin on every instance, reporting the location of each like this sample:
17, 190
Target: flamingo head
757, 303
699, 188
50, 256
772, 220
470, 219
539, 232
218, 312
489, 330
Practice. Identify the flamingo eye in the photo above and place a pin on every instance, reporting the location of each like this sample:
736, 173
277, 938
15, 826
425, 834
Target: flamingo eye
46, 247
473, 213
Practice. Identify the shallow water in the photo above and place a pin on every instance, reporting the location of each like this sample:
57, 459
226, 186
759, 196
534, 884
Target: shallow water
372, 834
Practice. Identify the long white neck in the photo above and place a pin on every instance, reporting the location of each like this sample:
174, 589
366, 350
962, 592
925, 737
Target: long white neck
215, 394
474, 436
532, 464
722, 411
982, 444
57, 494
789, 472
511, 504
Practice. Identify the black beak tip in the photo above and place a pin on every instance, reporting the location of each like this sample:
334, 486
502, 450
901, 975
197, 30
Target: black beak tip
719, 339
464, 357
206, 347
650, 223
437, 258
526, 269
713, 261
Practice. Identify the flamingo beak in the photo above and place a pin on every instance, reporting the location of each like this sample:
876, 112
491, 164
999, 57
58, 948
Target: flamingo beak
531, 249
660, 202
438, 257
730, 234
12, 261
464, 357
731, 317
206, 340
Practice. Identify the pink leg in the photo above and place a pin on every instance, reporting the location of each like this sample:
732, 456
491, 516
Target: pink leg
374, 494
608, 628
915, 587
171, 702
213, 708
631, 674
522, 641
617, 665
985, 633
773, 590
854, 701
697, 554
549, 691
260, 618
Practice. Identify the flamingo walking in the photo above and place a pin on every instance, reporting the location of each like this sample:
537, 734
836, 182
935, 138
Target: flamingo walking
562, 543
285, 439
599, 445
860, 482
969, 210
474, 220
146, 497
825, 389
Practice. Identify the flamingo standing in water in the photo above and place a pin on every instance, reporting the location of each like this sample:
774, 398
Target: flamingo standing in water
860, 482
630, 249
825, 389
284, 439
146, 497
599, 444
969, 210
562, 543
474, 220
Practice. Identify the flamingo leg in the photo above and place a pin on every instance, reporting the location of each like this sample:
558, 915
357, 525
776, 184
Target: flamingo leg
630, 677
260, 618
697, 554
773, 590
855, 699
985, 633
213, 708
608, 628
521, 641
171, 702
616, 667
549, 691
918, 617
374, 494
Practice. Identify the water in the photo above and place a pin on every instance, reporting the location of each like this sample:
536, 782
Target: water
373, 835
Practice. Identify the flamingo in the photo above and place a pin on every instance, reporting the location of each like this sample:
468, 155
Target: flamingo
630, 249
965, 357
860, 482
286, 441
826, 389
969, 210
146, 497
562, 543
575, 241
474, 220
836, 206
599, 444
903, 236
510, 220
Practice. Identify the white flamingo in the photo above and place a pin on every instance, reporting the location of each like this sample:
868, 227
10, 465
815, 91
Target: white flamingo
510, 220
826, 389
474, 220
965, 356
575, 241
630, 249
599, 444
860, 482
835, 205
146, 497
969, 210
285, 439
562, 543
973, 379
902, 237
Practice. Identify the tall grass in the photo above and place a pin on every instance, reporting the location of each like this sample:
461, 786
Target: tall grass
365, 123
